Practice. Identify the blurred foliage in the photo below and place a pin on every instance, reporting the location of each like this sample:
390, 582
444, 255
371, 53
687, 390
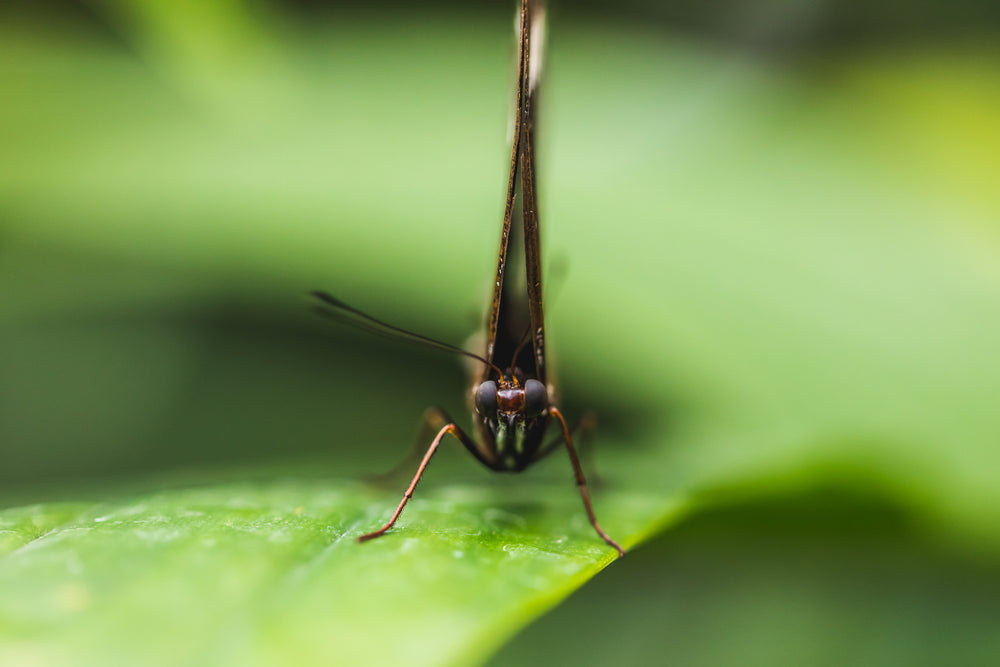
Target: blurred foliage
782, 276
826, 578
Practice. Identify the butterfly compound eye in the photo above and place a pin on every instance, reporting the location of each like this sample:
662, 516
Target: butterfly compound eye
536, 398
486, 398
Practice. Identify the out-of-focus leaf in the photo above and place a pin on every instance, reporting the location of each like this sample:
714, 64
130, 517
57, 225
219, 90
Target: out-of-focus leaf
814, 579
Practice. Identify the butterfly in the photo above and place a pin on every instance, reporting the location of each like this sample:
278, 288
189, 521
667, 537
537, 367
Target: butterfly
513, 398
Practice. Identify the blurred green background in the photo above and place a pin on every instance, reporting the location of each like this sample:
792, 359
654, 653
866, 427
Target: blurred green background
772, 232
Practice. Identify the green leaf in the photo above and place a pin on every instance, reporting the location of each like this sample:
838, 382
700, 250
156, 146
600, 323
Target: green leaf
269, 572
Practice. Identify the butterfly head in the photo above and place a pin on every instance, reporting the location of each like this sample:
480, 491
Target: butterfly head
510, 399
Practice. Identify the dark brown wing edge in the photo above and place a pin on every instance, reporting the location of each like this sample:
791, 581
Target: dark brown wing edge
532, 251
523, 49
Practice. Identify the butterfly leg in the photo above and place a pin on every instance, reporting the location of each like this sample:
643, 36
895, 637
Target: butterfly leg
581, 431
583, 436
447, 428
581, 482
434, 420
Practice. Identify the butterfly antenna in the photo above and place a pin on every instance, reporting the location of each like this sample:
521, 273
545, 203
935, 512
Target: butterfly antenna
333, 308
